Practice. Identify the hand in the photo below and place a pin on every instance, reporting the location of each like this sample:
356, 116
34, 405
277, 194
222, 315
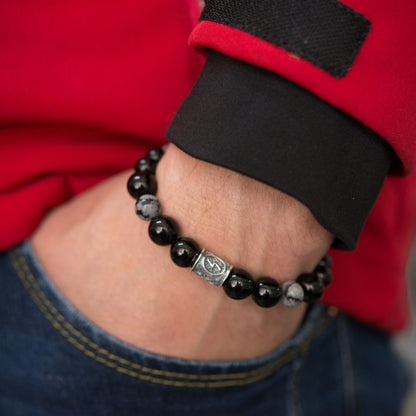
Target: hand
100, 257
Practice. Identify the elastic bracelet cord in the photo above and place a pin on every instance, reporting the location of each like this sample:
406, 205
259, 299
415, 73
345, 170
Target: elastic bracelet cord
184, 252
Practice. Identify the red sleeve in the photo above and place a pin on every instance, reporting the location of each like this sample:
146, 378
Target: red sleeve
378, 89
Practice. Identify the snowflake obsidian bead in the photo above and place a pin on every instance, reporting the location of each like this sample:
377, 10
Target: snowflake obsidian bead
292, 293
147, 207
184, 252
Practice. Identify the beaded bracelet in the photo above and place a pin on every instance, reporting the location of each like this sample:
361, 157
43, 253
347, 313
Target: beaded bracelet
237, 283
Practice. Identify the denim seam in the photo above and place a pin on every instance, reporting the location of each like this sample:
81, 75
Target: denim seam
347, 369
192, 380
294, 407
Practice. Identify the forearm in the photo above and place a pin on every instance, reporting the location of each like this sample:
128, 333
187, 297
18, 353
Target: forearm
99, 255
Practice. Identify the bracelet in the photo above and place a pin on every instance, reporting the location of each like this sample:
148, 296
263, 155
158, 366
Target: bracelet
184, 252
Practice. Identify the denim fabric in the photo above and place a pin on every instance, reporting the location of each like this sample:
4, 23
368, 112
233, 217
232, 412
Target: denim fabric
53, 361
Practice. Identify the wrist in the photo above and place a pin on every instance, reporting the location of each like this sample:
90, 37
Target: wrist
245, 222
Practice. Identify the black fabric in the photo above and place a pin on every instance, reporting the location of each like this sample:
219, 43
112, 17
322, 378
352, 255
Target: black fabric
326, 33
257, 123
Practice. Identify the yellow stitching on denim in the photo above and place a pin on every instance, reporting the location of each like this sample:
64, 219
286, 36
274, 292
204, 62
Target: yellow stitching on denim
123, 370
266, 369
279, 362
250, 376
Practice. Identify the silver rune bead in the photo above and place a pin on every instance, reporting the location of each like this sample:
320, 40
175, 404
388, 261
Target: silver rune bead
293, 294
211, 268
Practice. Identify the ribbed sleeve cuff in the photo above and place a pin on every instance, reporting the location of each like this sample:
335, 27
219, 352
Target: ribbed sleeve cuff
255, 122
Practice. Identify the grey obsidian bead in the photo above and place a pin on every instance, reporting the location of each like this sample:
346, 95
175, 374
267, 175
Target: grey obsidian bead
293, 294
147, 207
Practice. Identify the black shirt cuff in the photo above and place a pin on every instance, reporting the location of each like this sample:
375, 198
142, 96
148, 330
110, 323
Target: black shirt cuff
255, 122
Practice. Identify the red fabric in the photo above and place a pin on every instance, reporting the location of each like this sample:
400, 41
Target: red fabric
380, 91
370, 283
87, 87
380, 88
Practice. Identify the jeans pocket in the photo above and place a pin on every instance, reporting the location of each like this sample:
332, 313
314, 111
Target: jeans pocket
67, 351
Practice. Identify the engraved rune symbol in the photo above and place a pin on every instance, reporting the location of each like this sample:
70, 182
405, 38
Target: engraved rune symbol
214, 265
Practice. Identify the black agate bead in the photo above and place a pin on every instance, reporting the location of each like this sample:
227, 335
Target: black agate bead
146, 165
162, 231
312, 287
140, 184
238, 285
324, 275
183, 252
155, 154
326, 261
267, 292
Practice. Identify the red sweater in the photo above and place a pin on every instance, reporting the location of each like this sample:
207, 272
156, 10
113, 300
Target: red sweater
87, 88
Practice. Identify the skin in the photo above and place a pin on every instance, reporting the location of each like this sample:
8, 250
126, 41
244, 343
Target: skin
98, 254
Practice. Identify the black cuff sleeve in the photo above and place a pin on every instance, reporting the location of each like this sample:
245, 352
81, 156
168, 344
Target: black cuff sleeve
257, 123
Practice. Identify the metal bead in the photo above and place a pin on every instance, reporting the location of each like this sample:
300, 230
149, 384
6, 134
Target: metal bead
266, 292
238, 285
147, 207
211, 268
162, 231
293, 294
183, 252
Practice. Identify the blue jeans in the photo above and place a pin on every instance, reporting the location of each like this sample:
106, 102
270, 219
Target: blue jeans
54, 362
